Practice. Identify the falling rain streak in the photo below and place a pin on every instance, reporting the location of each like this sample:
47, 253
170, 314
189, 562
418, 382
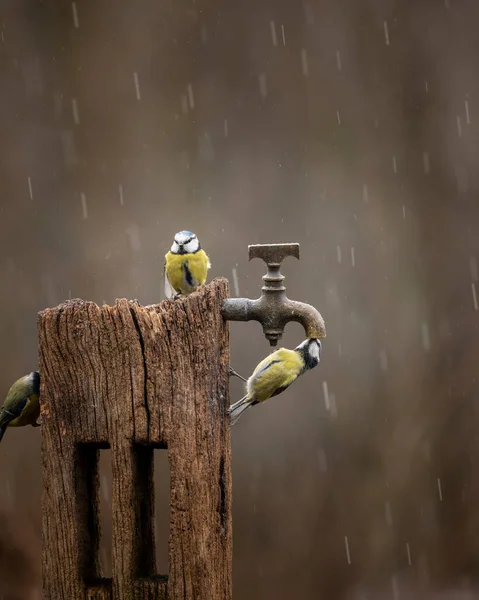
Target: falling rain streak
474, 296
346, 545
338, 60
439, 489
353, 257
338, 253
386, 33
263, 90
75, 15
226, 128
76, 115
84, 206
120, 190
327, 402
137, 85
304, 62
30, 188
274, 39
466, 106
235, 282
425, 161
338, 117
395, 167
365, 193
283, 35
459, 126
408, 552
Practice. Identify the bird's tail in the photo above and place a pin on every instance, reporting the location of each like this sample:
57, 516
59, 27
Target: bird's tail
238, 408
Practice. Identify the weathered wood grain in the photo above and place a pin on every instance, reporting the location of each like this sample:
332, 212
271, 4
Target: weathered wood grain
132, 379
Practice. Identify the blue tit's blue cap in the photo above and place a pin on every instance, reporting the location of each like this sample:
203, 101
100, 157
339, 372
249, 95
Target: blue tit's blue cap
184, 236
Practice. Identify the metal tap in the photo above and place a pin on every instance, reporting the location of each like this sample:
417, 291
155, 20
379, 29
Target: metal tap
273, 309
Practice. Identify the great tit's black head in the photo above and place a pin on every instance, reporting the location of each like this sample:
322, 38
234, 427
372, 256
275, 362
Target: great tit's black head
185, 242
310, 350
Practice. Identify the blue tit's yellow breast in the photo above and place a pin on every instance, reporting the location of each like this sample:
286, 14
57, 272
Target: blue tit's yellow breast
276, 371
186, 272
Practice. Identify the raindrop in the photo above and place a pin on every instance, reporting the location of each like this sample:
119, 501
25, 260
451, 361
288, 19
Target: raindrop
235, 282
426, 86
426, 342
386, 33
473, 267
273, 33
282, 33
439, 489
408, 551
474, 296
76, 116
346, 544
365, 193
304, 62
3, 37
137, 85
468, 118
338, 117
403, 211
84, 206
459, 126
327, 403
262, 85
425, 160
30, 188
338, 60
191, 98
75, 15
395, 167
120, 190
226, 128
353, 257
338, 253
394, 586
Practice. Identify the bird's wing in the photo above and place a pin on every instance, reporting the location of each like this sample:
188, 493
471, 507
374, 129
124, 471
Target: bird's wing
12, 412
169, 292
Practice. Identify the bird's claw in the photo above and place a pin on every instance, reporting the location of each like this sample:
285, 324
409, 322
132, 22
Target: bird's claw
233, 373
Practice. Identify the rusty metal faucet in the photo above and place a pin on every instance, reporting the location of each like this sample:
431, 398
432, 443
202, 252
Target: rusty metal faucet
273, 309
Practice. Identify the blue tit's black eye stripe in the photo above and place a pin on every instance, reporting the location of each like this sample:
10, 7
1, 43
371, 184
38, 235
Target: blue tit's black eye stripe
188, 274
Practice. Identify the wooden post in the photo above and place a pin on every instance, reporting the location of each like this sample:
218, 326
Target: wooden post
132, 379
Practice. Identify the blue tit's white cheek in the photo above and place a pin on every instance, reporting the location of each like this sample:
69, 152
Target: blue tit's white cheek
175, 248
192, 246
314, 351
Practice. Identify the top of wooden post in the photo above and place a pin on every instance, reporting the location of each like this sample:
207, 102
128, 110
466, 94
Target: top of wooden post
134, 378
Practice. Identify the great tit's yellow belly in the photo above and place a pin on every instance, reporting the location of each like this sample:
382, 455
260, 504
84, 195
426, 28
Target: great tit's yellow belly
186, 272
29, 415
274, 374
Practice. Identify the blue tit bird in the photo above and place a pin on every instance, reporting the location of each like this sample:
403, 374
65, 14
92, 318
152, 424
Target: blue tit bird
276, 373
22, 404
186, 265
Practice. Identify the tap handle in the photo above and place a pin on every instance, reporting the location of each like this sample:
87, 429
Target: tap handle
273, 254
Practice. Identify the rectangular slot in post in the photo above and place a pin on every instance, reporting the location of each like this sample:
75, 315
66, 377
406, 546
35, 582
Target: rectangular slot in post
147, 554
88, 515
162, 510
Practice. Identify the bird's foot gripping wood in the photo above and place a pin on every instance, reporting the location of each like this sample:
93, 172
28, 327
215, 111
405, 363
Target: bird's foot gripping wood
233, 373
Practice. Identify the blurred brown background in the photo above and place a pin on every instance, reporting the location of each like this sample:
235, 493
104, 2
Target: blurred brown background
350, 127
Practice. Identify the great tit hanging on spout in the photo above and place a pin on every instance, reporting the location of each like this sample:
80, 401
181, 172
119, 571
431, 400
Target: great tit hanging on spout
276, 373
186, 265
22, 404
